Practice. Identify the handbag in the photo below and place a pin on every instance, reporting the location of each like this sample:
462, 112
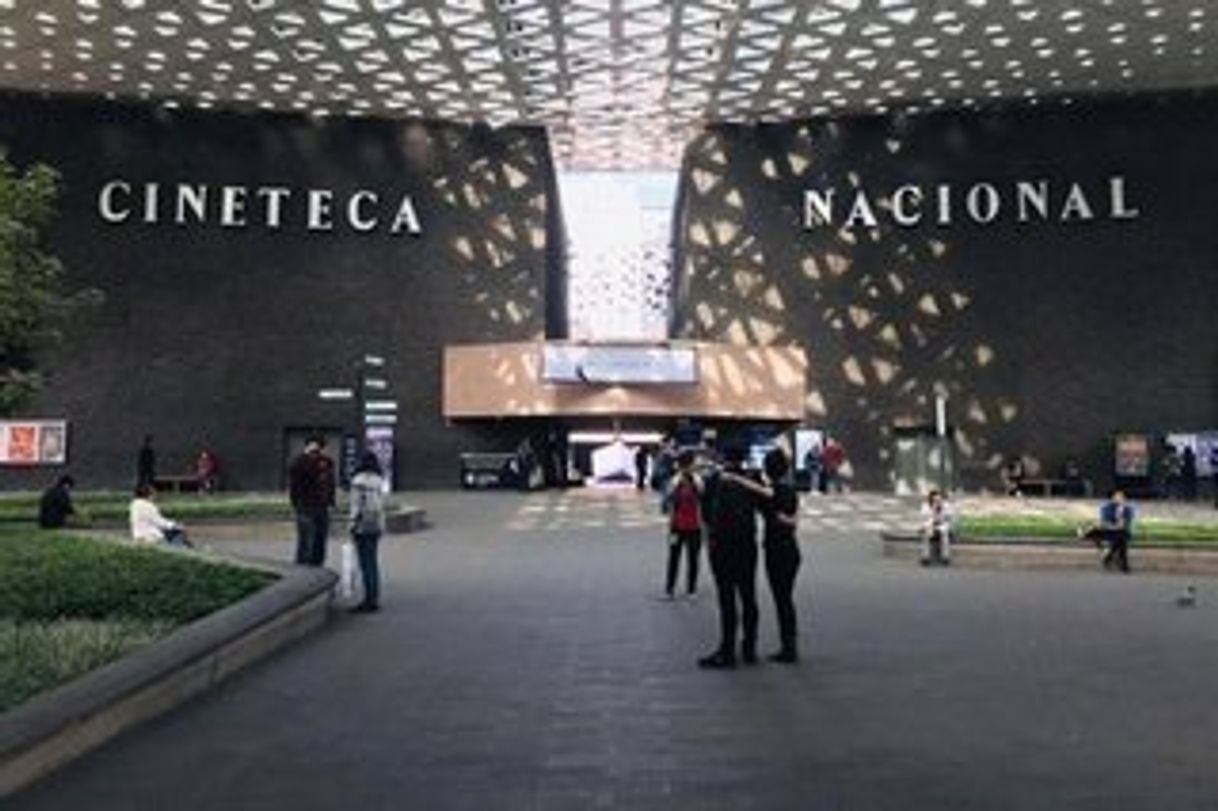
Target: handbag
346, 575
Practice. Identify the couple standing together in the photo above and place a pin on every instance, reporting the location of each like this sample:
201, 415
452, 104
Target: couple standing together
312, 483
726, 506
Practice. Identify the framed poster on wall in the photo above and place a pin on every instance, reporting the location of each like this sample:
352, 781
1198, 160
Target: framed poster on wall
1132, 455
380, 440
33, 442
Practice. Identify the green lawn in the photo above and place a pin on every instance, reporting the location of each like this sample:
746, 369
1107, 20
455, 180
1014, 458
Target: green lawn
69, 604
1148, 530
37, 655
110, 507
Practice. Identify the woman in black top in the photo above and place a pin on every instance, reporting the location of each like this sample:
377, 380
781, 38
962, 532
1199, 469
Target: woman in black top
780, 508
782, 556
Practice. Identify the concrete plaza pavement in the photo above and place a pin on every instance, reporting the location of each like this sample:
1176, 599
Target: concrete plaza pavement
523, 661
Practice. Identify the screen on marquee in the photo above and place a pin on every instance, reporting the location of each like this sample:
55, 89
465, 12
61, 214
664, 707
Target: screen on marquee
619, 364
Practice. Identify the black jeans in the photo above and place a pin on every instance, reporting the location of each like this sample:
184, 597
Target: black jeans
1118, 546
691, 541
369, 566
781, 565
1118, 550
735, 570
312, 532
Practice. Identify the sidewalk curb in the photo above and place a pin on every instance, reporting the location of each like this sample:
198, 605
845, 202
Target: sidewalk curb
52, 729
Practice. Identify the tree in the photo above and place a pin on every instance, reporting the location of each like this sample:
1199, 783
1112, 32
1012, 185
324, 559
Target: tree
34, 306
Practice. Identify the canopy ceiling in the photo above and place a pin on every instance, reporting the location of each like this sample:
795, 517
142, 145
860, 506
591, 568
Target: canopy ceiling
619, 83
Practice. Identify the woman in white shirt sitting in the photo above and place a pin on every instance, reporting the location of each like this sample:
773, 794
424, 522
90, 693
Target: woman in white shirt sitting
147, 523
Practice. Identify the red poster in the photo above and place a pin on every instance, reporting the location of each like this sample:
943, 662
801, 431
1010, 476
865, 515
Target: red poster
23, 444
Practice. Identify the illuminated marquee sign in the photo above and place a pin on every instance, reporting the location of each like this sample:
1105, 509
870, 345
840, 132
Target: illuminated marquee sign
616, 365
120, 202
1025, 201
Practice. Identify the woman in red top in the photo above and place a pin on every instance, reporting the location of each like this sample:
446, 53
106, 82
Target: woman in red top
683, 501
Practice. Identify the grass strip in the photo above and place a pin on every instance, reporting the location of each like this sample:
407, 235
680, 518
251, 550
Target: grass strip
112, 506
69, 604
50, 575
37, 656
1043, 527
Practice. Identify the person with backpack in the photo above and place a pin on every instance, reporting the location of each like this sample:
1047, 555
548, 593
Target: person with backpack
367, 526
684, 503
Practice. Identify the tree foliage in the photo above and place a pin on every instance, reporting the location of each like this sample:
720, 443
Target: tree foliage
34, 307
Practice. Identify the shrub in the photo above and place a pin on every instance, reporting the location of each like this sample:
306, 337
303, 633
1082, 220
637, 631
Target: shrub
37, 655
46, 576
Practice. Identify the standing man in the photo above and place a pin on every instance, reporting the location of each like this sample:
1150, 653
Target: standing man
145, 463
1188, 473
311, 482
833, 457
640, 467
732, 543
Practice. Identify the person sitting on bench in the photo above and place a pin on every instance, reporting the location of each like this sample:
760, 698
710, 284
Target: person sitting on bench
938, 526
1114, 529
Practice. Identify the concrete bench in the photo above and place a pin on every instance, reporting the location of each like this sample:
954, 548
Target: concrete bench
1078, 488
1035, 553
405, 518
177, 484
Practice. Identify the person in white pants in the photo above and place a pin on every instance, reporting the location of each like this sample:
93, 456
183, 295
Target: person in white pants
938, 526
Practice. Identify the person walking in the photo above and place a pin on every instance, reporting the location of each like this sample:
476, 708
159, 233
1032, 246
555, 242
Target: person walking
367, 526
684, 525
812, 468
732, 546
311, 488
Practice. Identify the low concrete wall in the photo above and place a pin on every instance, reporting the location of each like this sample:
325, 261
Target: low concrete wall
56, 727
1021, 553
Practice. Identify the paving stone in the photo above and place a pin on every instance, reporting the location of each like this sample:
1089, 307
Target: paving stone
523, 662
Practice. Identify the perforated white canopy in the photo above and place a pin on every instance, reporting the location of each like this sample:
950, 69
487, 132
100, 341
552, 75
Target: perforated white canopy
620, 83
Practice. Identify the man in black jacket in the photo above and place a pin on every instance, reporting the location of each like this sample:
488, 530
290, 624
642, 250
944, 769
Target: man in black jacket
311, 480
732, 545
55, 509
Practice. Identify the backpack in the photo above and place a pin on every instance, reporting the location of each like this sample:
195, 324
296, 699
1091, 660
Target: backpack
685, 507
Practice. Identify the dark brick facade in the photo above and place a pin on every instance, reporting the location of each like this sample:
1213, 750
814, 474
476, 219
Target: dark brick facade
1047, 336
222, 336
